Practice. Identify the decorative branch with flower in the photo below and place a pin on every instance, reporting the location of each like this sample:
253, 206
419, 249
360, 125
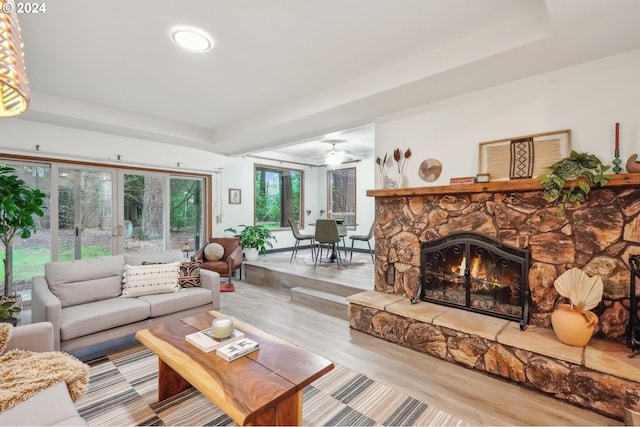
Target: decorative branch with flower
381, 163
401, 159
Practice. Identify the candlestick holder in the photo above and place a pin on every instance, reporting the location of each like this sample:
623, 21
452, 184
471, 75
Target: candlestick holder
616, 164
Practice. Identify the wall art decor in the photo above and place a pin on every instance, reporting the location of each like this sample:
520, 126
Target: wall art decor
523, 157
430, 170
235, 196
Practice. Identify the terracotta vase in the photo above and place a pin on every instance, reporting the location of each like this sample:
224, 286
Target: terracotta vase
573, 326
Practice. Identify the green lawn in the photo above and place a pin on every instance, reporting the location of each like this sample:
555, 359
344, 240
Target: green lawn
29, 262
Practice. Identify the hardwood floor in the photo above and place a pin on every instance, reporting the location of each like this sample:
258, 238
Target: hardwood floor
477, 398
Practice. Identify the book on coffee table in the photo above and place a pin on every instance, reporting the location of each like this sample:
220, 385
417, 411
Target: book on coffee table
237, 349
205, 341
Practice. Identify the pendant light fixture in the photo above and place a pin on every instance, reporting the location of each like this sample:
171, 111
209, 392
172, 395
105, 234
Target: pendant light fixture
14, 85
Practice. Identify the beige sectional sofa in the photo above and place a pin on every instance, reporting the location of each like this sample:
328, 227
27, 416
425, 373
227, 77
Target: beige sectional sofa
83, 299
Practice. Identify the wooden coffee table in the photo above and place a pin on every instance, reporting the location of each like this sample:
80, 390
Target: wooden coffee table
262, 388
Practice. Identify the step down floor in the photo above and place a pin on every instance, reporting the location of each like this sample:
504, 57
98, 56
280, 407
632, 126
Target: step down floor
324, 302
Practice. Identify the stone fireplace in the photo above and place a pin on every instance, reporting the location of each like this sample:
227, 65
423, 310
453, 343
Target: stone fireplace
598, 236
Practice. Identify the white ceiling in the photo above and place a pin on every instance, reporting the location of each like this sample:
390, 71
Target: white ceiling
285, 72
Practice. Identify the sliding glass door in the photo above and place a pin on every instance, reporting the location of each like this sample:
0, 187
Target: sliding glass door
150, 202
85, 213
186, 213
30, 255
95, 211
142, 228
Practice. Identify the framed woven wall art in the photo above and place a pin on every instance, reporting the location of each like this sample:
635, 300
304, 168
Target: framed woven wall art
523, 157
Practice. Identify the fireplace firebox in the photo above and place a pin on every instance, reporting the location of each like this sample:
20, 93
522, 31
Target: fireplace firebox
476, 272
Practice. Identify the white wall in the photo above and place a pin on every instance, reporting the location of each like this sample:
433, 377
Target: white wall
19, 136
235, 176
588, 99
238, 173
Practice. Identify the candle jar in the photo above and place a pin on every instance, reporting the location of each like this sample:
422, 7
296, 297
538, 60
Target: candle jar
222, 327
483, 177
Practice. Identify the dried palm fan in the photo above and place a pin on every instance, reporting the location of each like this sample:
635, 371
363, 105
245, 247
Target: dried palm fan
583, 291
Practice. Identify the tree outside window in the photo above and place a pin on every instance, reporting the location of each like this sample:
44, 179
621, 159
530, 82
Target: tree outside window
278, 196
341, 195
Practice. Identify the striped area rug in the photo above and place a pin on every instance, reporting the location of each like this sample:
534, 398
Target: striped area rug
123, 391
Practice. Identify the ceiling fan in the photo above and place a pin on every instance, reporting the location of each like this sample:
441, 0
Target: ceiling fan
335, 157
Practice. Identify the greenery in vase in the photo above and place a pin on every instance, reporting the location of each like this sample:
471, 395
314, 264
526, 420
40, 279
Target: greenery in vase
569, 180
18, 205
254, 236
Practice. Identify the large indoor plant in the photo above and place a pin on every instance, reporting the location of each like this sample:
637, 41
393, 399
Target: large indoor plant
18, 205
254, 239
573, 323
569, 180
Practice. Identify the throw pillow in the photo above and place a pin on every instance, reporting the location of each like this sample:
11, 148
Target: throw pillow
150, 279
189, 275
213, 252
6, 329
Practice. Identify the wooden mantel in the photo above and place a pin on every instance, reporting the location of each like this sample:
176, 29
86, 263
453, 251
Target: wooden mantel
616, 180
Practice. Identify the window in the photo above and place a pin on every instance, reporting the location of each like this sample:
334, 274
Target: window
187, 212
30, 255
341, 195
93, 211
278, 196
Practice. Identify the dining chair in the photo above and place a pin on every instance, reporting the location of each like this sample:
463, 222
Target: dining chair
363, 238
299, 238
342, 232
327, 234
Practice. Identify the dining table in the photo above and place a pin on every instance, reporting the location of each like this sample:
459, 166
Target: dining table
342, 232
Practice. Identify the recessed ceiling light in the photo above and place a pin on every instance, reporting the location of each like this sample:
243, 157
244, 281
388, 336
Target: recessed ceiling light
191, 39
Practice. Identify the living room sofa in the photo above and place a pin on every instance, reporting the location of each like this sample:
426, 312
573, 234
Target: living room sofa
84, 301
51, 406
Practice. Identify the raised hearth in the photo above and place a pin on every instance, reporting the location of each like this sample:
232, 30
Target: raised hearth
599, 376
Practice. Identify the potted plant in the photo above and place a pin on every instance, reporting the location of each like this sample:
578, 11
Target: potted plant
570, 179
573, 323
254, 239
8, 310
18, 205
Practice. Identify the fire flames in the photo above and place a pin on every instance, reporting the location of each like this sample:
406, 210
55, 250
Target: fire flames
482, 275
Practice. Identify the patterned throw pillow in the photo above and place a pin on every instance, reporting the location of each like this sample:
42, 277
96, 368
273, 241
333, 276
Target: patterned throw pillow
150, 279
189, 275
